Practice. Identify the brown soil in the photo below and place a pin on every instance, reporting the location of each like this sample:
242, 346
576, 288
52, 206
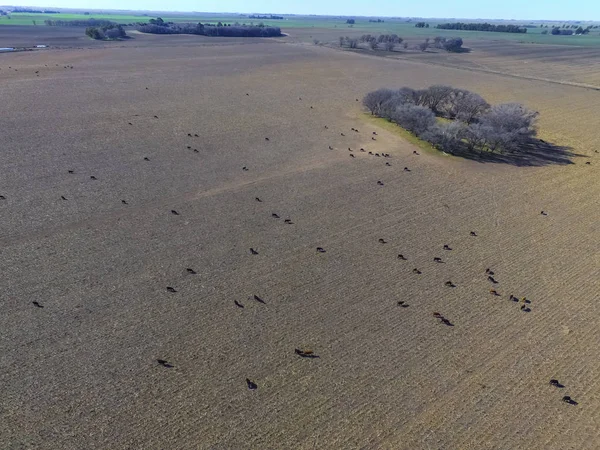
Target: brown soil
82, 371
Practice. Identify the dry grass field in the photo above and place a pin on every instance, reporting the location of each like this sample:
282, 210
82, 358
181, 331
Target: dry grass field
85, 309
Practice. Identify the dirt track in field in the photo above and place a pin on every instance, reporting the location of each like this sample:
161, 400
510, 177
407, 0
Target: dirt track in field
81, 371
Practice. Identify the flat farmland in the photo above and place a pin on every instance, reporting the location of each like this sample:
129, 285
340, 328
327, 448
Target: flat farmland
26, 36
78, 368
559, 63
402, 26
75, 38
568, 64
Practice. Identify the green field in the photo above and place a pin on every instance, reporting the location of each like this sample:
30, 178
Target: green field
401, 27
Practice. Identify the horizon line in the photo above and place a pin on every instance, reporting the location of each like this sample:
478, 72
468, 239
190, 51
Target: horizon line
294, 14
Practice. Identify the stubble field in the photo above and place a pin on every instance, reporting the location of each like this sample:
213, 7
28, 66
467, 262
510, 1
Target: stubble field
80, 369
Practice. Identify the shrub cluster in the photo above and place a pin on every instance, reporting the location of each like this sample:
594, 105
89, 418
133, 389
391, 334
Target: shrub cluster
159, 29
453, 45
348, 42
482, 27
470, 122
565, 31
242, 31
112, 31
390, 41
561, 32
387, 41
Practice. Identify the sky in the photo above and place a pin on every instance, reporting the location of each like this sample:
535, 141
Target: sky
469, 9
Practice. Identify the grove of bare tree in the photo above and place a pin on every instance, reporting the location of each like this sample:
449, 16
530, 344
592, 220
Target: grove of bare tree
470, 122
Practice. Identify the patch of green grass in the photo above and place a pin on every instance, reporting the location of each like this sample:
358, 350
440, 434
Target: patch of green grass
28, 19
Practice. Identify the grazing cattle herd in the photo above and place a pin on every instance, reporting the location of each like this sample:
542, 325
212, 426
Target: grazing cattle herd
252, 272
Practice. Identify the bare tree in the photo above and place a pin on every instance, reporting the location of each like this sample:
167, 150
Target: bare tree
113, 33
407, 95
504, 127
424, 45
512, 117
466, 106
420, 97
396, 39
390, 45
475, 136
417, 119
400, 97
374, 100
446, 136
453, 45
487, 137
436, 97
342, 39
373, 44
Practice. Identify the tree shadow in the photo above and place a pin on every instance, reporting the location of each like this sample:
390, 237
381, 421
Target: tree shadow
535, 153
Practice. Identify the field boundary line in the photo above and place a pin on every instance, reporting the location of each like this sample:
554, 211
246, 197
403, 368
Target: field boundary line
468, 69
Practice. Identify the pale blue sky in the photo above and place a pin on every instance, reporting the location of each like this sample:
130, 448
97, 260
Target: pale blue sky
489, 9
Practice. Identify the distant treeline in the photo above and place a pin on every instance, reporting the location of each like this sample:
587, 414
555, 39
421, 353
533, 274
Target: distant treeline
241, 31
376, 20
421, 25
482, 27
33, 11
569, 26
159, 26
391, 41
79, 23
270, 16
568, 32
559, 32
